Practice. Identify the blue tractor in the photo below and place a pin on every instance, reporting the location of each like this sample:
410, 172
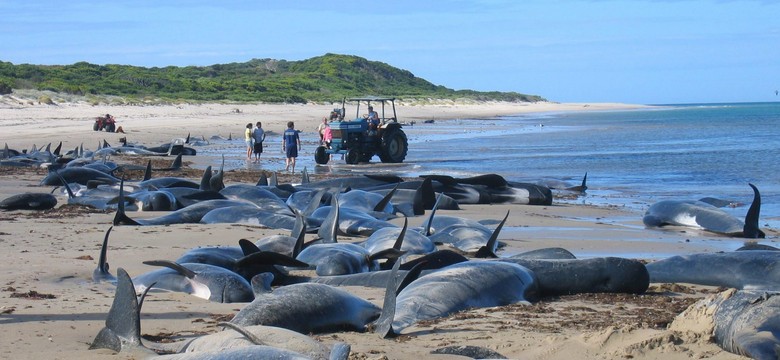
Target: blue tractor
362, 138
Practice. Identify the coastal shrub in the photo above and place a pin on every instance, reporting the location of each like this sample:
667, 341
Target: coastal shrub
327, 78
46, 100
6, 86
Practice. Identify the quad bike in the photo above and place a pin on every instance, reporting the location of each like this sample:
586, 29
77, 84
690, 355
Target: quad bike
358, 141
107, 123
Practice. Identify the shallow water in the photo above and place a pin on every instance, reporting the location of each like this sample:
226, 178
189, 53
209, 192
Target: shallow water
633, 158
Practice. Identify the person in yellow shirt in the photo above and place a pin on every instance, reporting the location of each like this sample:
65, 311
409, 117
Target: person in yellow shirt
248, 140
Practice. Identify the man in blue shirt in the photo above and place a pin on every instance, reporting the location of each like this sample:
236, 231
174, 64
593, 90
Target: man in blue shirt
291, 144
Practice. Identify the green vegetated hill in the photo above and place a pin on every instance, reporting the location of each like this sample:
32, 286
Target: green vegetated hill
324, 78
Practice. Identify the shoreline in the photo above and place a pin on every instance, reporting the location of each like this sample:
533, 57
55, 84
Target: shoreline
71, 122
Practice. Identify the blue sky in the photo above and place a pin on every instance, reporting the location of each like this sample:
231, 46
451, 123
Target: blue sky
648, 52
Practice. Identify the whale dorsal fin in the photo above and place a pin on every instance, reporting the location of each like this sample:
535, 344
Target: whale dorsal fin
123, 324
248, 247
263, 180
102, 270
400, 240
176, 165
429, 222
305, 176
261, 283
121, 218
384, 324
65, 184
205, 180
330, 226
148, 171
314, 203
217, 181
489, 250
751, 229
299, 233
424, 197
382, 204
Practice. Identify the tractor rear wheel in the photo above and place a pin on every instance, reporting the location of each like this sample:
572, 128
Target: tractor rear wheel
320, 156
394, 146
353, 156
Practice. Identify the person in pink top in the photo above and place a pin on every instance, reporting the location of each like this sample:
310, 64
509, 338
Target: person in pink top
327, 136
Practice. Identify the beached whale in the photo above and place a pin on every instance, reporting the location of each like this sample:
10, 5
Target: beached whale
595, 275
308, 308
491, 189
749, 269
411, 242
201, 280
29, 201
701, 215
79, 175
122, 333
743, 322
471, 284
347, 221
338, 259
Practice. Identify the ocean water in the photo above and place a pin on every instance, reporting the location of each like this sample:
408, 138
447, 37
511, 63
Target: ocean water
633, 158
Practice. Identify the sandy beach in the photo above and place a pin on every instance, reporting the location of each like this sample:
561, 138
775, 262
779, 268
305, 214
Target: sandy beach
52, 310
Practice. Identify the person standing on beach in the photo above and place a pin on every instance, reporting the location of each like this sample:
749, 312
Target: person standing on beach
321, 127
248, 140
258, 135
291, 144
